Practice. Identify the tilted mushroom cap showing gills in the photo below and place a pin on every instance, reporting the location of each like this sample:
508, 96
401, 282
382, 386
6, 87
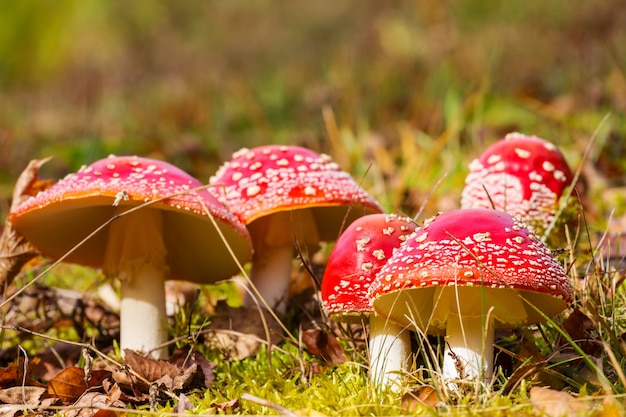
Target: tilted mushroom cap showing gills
60, 217
173, 238
471, 262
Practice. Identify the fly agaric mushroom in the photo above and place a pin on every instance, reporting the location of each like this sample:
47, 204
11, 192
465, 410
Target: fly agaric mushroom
468, 272
287, 196
173, 238
521, 175
360, 252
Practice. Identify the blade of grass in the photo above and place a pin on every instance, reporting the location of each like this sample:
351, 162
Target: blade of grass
565, 198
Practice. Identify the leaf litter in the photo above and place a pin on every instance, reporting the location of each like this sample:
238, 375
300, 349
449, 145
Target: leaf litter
15, 250
138, 381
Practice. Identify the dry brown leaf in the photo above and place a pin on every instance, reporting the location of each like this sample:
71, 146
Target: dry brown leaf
423, 396
30, 396
13, 374
580, 328
10, 410
239, 333
178, 382
228, 407
184, 404
111, 387
15, 250
184, 358
323, 345
148, 368
20, 400
552, 403
54, 359
97, 376
107, 413
153, 371
115, 393
89, 404
68, 385
527, 371
533, 365
113, 390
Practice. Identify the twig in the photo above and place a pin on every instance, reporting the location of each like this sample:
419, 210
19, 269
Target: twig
265, 403
25, 371
58, 340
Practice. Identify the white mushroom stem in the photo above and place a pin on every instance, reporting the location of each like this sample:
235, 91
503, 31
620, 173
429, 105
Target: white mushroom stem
275, 239
469, 349
389, 348
136, 254
143, 312
271, 275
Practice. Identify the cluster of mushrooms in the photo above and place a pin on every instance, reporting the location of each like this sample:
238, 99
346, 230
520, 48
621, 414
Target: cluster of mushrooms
462, 274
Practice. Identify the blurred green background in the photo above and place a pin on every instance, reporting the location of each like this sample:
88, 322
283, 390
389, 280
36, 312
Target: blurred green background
192, 81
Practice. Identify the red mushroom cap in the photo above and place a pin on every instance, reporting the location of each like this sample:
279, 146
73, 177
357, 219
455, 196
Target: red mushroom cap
60, 217
361, 250
473, 262
268, 179
522, 175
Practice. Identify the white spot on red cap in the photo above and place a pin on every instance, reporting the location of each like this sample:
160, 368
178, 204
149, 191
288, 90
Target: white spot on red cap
493, 159
379, 254
482, 236
253, 190
522, 153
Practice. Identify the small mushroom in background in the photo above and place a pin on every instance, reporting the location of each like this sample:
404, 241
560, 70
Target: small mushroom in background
289, 197
467, 272
525, 176
173, 238
360, 252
